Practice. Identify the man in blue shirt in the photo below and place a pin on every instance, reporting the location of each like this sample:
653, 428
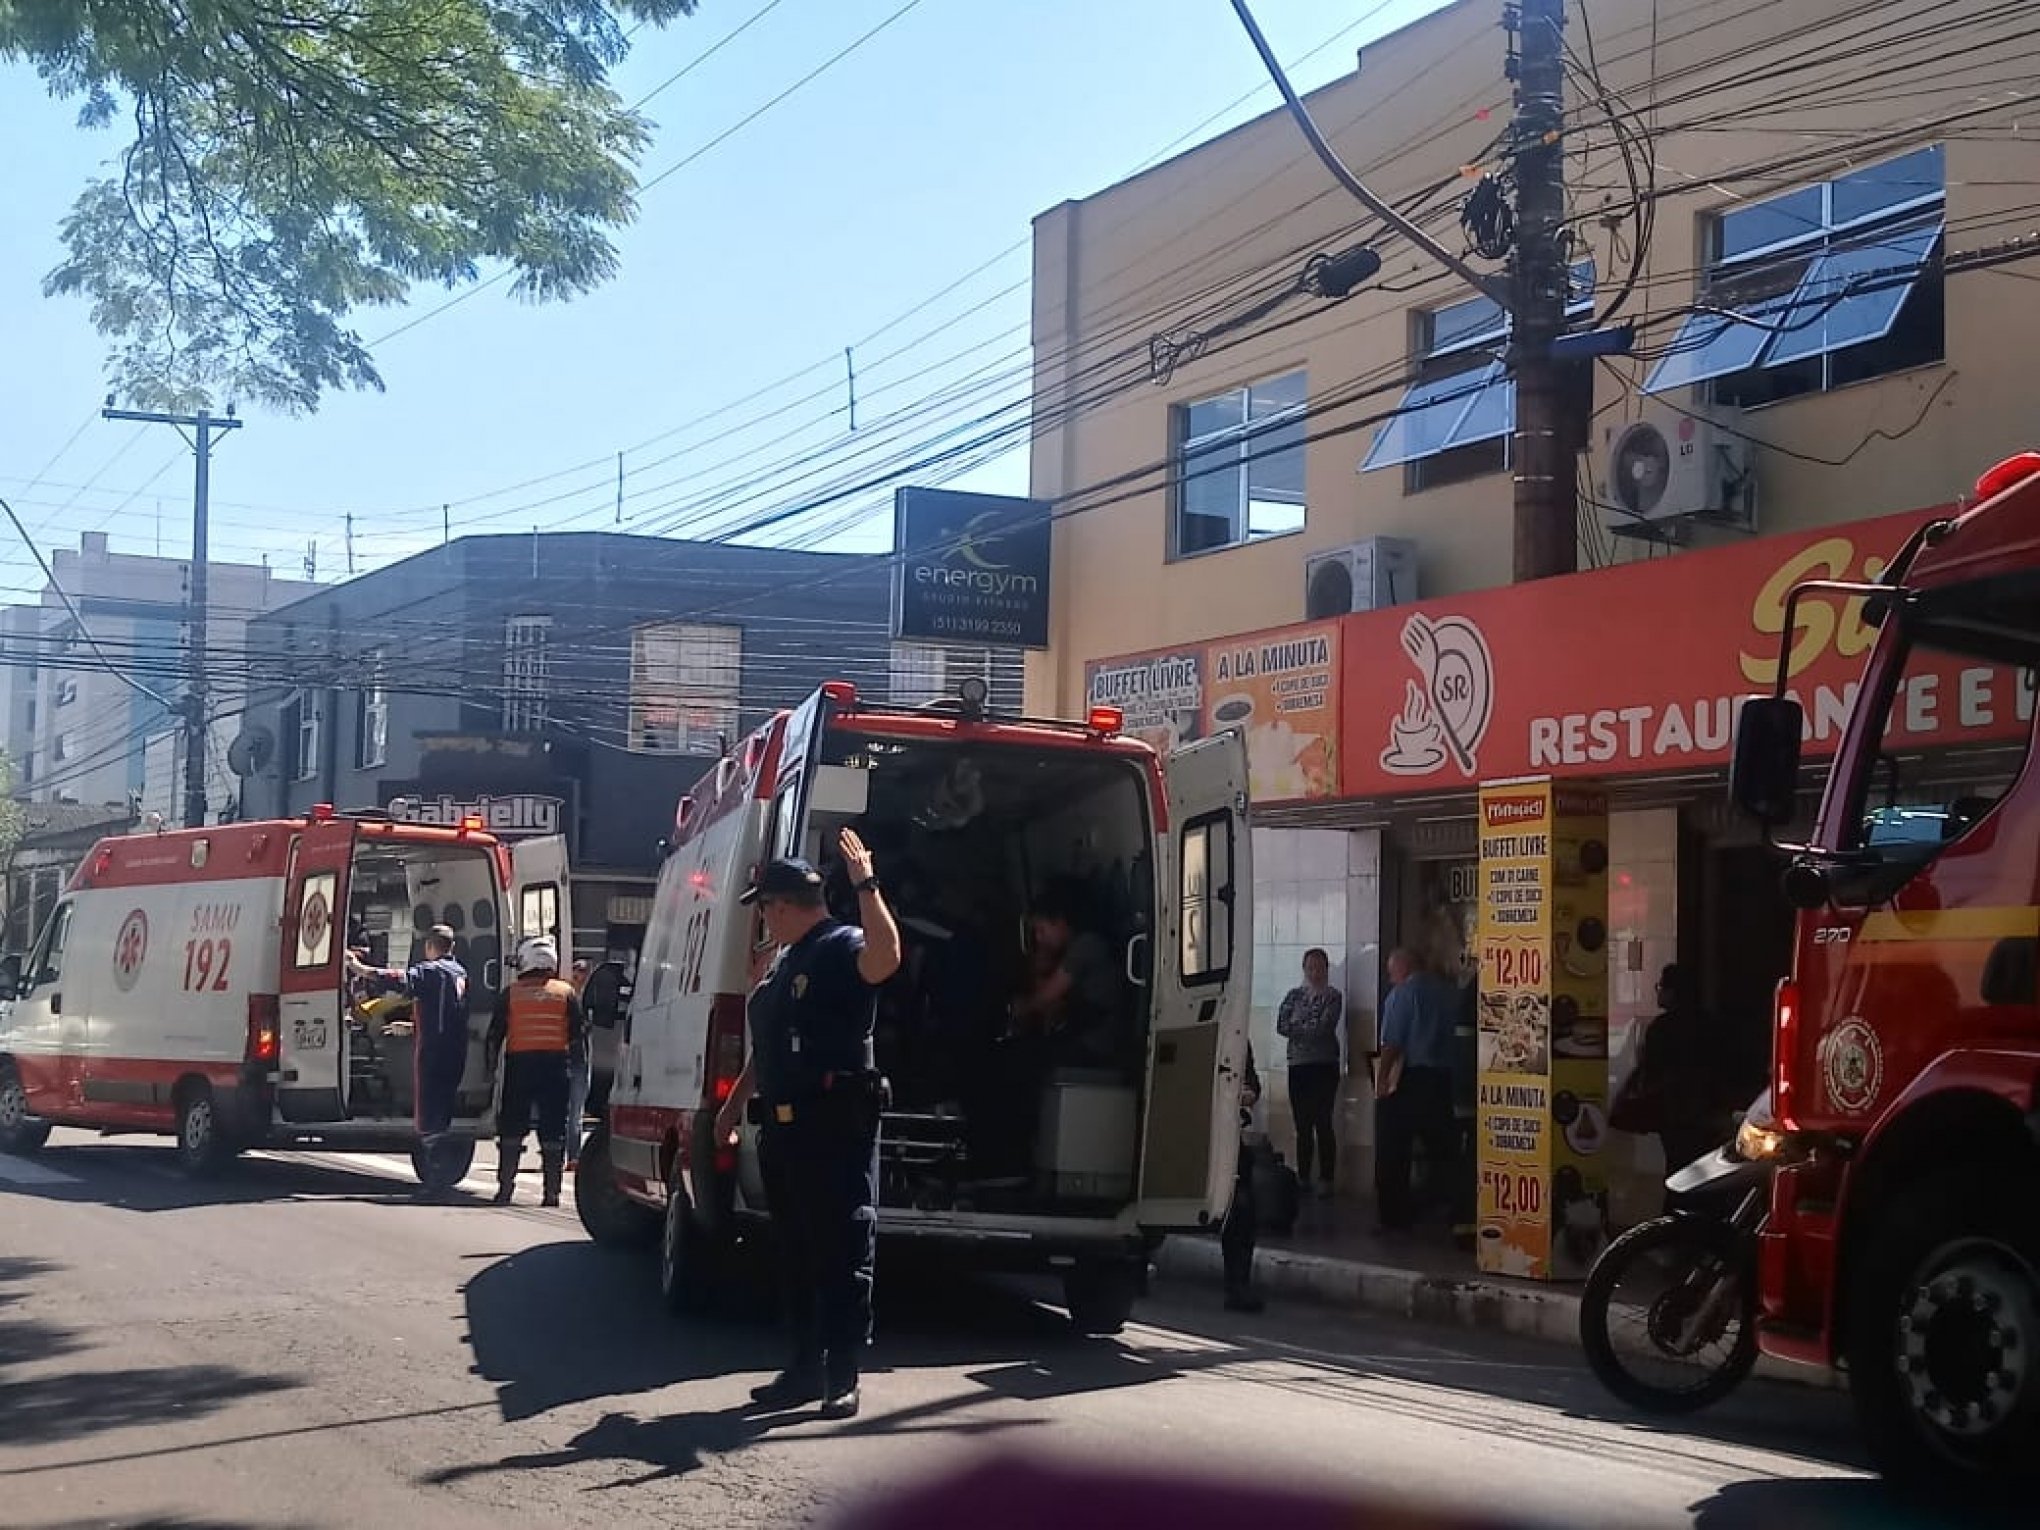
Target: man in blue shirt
1413, 1088
437, 987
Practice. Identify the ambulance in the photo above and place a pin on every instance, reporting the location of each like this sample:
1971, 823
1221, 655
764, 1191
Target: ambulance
192, 983
1072, 1165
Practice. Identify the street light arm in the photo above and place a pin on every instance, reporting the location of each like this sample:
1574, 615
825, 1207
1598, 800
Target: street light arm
1491, 286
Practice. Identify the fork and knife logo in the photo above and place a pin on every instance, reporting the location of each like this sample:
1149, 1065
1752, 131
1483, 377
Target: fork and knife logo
1450, 704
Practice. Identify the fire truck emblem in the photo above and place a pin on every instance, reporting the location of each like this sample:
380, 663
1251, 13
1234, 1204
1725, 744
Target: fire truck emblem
1851, 1066
316, 917
130, 950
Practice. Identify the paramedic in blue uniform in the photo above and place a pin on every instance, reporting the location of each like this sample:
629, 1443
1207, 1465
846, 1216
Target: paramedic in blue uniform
818, 1097
437, 987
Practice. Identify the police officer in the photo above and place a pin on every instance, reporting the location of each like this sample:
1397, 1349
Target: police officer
818, 1101
538, 1024
437, 987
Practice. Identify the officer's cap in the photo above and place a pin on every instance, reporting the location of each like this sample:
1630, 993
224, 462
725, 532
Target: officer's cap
782, 879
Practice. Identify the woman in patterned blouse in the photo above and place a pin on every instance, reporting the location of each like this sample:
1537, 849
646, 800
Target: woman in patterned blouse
1309, 1021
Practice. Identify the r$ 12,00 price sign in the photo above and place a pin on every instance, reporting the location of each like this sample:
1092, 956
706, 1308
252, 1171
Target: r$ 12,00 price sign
1516, 966
1514, 1192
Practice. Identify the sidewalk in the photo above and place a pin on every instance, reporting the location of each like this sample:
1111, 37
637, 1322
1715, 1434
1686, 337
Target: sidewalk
1332, 1260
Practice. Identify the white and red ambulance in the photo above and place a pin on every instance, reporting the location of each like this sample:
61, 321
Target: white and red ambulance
191, 982
1079, 1167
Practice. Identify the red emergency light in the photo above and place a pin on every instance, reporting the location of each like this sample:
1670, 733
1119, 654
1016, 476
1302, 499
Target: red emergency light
841, 692
2011, 471
322, 812
264, 1038
1106, 719
472, 824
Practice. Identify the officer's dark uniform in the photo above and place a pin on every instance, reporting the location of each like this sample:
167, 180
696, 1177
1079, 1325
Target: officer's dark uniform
817, 1104
439, 1048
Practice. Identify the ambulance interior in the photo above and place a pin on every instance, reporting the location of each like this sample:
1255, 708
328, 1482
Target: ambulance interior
968, 841
396, 893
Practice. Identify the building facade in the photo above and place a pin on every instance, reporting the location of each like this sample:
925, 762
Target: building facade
573, 682
1810, 213
77, 732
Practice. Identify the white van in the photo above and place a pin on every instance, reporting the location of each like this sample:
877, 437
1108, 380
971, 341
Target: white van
970, 819
191, 982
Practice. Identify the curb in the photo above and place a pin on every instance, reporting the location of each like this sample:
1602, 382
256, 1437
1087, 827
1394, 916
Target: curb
1547, 1313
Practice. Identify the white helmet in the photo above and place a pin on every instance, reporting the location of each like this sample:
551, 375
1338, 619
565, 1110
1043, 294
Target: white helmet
538, 955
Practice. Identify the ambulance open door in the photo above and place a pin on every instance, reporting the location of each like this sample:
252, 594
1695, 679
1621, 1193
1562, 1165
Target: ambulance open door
542, 897
1203, 980
310, 1021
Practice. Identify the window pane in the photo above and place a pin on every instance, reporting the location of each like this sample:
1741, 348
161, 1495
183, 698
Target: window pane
1852, 295
1276, 471
1892, 184
1226, 412
1797, 215
1428, 415
1713, 345
1476, 319
1211, 491
1276, 395
1580, 300
1491, 413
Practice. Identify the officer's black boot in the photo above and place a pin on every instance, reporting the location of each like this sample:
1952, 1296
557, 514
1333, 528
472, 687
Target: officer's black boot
507, 1156
552, 1156
793, 1387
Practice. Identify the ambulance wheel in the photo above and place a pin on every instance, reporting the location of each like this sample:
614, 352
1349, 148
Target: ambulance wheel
20, 1132
446, 1166
1943, 1331
203, 1147
1100, 1295
610, 1217
685, 1277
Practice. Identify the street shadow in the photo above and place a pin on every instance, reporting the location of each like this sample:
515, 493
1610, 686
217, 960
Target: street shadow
1837, 1503
47, 1397
165, 1522
143, 1176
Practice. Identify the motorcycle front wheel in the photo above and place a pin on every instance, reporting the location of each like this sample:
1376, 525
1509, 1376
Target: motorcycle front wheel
1668, 1317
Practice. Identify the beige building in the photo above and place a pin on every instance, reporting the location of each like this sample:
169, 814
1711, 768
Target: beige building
1844, 177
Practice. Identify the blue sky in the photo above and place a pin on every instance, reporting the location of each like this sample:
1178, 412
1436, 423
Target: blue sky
892, 176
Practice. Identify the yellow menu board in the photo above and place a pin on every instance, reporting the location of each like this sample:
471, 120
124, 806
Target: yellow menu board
1542, 1100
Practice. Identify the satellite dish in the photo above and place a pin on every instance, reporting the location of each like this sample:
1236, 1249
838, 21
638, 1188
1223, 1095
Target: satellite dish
1641, 471
248, 753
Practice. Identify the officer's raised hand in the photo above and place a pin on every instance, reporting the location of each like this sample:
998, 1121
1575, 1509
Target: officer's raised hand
880, 958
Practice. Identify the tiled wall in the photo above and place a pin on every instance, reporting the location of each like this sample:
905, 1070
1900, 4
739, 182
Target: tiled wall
1643, 919
1316, 887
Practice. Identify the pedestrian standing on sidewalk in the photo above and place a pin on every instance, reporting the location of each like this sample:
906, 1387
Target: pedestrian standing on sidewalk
1236, 1236
1413, 1088
538, 1024
1309, 1021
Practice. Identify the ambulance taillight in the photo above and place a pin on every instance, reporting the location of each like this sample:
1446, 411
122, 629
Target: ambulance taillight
725, 1045
264, 1022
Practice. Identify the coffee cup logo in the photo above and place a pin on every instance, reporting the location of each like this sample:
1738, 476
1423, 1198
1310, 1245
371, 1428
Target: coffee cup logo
1447, 708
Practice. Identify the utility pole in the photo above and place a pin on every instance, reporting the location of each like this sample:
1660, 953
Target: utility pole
202, 427
1549, 430
350, 544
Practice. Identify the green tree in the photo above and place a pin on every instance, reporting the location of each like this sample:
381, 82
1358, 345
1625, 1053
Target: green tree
291, 162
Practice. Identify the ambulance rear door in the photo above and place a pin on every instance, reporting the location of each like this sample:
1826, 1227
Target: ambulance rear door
541, 896
309, 1082
1203, 980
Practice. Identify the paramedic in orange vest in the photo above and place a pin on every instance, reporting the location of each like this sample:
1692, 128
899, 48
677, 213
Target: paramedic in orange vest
538, 1024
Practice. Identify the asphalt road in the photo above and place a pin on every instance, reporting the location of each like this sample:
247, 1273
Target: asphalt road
297, 1345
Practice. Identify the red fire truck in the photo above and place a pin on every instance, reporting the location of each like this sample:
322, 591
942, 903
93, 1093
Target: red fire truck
1903, 1240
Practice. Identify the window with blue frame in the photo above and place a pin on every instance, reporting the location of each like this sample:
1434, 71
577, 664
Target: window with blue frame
1239, 466
1821, 287
1456, 420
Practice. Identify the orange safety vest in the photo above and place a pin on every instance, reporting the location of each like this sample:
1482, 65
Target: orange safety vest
538, 1016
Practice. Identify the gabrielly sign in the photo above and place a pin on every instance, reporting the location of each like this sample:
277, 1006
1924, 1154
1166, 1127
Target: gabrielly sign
1633, 670
971, 568
515, 815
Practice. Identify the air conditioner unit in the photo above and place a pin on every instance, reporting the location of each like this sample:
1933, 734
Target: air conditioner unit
1674, 466
1366, 576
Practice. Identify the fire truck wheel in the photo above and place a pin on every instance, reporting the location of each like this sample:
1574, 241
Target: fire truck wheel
1944, 1341
203, 1147
686, 1281
1100, 1294
20, 1132
609, 1216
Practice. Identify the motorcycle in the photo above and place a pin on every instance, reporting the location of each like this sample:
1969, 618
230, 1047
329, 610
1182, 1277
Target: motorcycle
1687, 1280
